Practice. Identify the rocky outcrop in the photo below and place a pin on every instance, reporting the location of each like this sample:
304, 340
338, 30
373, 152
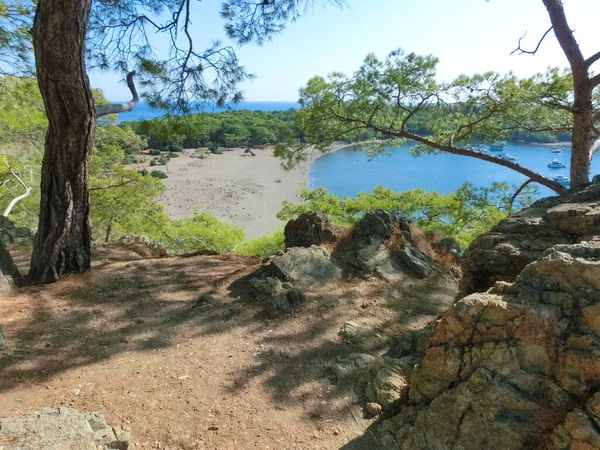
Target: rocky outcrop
503, 253
382, 244
11, 234
310, 229
513, 367
61, 428
304, 266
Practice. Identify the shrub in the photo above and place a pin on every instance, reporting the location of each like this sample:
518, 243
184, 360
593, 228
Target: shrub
173, 146
154, 162
129, 159
214, 149
154, 152
159, 174
266, 245
143, 172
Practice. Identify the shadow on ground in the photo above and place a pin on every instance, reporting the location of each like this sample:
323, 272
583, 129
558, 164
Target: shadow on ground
149, 304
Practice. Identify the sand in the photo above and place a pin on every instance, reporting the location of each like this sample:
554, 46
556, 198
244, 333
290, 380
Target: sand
243, 190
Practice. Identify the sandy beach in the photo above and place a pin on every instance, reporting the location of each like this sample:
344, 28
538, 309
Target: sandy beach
239, 189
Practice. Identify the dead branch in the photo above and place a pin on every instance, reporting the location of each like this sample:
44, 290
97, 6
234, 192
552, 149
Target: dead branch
517, 192
530, 52
114, 108
18, 198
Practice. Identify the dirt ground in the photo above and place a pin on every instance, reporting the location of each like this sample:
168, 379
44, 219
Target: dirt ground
126, 340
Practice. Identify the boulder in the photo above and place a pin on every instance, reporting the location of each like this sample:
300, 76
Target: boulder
311, 228
304, 266
449, 245
60, 428
382, 244
355, 366
509, 368
503, 252
380, 222
391, 382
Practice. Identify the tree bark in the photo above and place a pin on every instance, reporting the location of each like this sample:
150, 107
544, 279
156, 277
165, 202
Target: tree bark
63, 241
581, 154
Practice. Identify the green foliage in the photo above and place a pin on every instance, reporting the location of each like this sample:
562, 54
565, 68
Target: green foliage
173, 146
266, 245
143, 172
25, 212
223, 129
202, 232
463, 215
214, 149
159, 174
399, 98
22, 118
16, 19
154, 152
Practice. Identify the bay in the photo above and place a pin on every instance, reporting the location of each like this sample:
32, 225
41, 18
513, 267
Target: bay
349, 171
144, 111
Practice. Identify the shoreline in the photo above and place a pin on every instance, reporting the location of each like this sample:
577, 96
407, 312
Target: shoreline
239, 189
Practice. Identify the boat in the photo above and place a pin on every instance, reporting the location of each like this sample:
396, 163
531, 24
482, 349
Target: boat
556, 164
508, 157
562, 180
497, 146
557, 150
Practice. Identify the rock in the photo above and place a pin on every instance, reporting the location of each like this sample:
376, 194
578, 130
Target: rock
296, 297
414, 262
482, 412
576, 432
304, 266
205, 301
356, 366
60, 428
413, 342
2, 340
311, 229
391, 384
280, 305
381, 223
382, 244
373, 408
6, 284
350, 333
267, 286
506, 366
503, 252
449, 245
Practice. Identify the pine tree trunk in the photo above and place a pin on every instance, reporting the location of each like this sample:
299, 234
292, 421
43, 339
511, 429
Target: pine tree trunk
63, 241
582, 135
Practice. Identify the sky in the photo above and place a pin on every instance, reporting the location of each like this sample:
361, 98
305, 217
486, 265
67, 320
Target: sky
468, 36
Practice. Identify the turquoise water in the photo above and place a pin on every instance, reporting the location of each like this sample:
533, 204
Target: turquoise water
143, 111
349, 171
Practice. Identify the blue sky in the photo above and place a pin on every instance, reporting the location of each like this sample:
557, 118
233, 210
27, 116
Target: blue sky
467, 35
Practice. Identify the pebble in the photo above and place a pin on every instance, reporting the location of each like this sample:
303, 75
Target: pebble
373, 408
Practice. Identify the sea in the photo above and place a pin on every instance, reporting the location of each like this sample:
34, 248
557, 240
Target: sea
349, 171
143, 111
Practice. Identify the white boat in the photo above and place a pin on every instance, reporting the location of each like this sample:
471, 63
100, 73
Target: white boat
557, 150
562, 180
497, 146
556, 164
508, 157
